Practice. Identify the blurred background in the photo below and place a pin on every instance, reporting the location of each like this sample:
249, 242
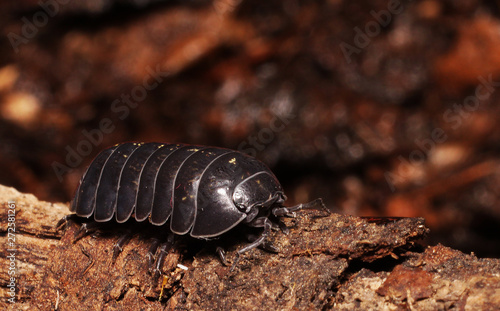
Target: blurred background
382, 108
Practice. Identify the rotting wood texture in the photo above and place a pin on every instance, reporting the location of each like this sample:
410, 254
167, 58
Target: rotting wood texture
325, 262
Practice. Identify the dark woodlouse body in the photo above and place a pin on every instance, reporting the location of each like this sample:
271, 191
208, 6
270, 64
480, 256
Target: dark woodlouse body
201, 191
204, 190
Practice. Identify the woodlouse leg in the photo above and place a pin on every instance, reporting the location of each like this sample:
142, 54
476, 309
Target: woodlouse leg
162, 252
258, 222
122, 241
64, 221
86, 229
151, 252
265, 245
91, 260
283, 227
290, 211
222, 255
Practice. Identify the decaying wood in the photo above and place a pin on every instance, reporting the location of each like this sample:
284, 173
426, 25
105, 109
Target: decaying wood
325, 262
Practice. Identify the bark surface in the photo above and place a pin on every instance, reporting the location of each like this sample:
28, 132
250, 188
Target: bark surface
325, 262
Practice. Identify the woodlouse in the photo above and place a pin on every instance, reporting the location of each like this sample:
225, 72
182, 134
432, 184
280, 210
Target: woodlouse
201, 191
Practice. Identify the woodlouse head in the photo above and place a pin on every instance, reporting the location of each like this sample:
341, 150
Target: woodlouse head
259, 190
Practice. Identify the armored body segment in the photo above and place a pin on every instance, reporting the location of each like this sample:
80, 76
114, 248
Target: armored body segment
107, 192
148, 179
129, 181
216, 210
84, 201
187, 185
163, 201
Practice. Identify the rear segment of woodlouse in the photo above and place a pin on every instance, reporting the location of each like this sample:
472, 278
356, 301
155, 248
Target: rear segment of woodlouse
203, 191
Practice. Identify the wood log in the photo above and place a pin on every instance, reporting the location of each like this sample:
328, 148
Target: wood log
325, 262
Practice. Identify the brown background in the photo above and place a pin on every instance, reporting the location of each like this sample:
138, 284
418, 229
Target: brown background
403, 105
